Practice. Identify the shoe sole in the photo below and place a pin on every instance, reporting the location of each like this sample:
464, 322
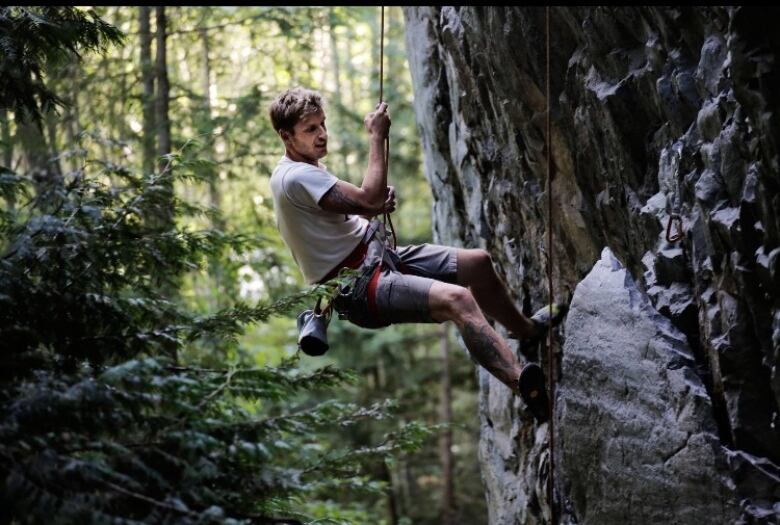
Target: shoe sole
532, 390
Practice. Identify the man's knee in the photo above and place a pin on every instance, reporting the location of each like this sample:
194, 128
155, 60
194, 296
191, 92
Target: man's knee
474, 265
450, 302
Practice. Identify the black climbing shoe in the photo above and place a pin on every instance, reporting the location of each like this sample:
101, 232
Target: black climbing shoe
542, 320
533, 391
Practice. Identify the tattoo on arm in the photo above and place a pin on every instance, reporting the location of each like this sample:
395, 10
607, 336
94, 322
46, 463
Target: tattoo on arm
337, 201
487, 350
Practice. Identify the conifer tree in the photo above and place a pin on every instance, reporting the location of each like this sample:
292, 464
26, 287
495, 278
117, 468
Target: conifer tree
97, 425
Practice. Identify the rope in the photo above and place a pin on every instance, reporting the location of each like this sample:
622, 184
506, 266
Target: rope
550, 351
387, 219
382, 57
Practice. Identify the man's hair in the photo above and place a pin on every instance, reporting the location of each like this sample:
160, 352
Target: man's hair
292, 106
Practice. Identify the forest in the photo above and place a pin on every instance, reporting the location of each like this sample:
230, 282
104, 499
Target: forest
606, 176
150, 371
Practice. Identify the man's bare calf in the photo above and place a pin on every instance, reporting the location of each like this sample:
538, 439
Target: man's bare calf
450, 302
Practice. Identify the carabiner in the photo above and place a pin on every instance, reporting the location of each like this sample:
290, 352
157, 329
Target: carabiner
677, 236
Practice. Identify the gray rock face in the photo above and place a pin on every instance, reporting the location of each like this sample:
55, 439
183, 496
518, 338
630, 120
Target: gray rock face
655, 112
637, 441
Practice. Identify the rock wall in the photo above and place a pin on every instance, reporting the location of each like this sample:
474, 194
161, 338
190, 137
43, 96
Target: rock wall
636, 430
656, 112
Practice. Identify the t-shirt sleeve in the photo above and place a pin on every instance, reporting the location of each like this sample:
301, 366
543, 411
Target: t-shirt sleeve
305, 187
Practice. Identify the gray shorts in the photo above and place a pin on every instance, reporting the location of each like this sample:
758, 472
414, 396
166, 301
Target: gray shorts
404, 283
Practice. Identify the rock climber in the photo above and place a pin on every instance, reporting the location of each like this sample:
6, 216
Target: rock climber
329, 224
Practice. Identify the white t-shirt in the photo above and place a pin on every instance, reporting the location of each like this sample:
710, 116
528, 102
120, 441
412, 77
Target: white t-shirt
318, 239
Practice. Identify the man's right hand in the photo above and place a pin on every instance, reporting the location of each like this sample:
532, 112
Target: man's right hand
378, 122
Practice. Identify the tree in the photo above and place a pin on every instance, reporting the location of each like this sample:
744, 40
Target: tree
445, 439
34, 38
98, 424
163, 129
147, 96
253, 53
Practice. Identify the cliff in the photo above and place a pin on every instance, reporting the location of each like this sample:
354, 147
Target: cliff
668, 382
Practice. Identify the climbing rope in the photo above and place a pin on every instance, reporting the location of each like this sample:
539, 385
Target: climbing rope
387, 219
550, 351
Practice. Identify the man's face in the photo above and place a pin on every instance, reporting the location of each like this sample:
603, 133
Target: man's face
310, 138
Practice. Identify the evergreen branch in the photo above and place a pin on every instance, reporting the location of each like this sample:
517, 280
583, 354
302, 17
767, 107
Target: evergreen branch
147, 499
89, 433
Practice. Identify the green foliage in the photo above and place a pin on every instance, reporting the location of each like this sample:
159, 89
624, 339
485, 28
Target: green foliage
100, 424
35, 37
404, 362
229, 297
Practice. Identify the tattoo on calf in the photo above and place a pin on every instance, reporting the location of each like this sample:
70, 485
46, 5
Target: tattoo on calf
486, 349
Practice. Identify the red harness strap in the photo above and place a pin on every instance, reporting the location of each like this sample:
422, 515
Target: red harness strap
372, 307
353, 260
372, 286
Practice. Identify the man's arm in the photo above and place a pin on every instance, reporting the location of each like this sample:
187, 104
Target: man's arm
372, 196
347, 198
344, 197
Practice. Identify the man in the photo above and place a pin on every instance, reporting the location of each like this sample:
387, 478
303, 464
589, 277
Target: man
324, 222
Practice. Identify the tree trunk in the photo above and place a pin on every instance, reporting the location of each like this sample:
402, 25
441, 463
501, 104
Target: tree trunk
125, 132
8, 153
70, 119
161, 108
149, 132
162, 101
51, 130
37, 155
95, 115
320, 48
8, 147
392, 504
162, 215
221, 297
445, 440
338, 101
352, 76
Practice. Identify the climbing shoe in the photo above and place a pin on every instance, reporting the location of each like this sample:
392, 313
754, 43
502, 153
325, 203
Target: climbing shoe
542, 319
532, 390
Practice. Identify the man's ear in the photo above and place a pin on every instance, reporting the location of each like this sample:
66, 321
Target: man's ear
285, 135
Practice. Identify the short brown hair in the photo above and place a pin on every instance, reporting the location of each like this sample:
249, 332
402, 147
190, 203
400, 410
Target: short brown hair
293, 105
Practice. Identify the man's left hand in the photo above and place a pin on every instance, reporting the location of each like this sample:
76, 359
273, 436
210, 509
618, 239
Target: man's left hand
390, 201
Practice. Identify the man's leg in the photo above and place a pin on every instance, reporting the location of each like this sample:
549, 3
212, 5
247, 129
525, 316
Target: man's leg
449, 302
405, 298
475, 270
